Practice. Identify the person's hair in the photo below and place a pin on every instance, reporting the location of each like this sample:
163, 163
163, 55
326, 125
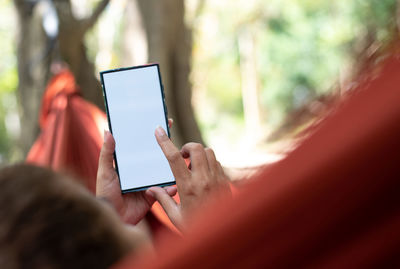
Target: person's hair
48, 222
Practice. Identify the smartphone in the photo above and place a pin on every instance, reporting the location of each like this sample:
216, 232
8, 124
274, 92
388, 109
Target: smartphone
135, 105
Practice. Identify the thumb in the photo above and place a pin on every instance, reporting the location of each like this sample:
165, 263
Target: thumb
169, 205
107, 151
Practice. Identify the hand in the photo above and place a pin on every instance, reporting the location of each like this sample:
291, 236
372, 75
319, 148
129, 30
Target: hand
195, 183
131, 207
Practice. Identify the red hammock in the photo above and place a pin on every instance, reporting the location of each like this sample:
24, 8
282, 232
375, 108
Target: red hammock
332, 203
71, 135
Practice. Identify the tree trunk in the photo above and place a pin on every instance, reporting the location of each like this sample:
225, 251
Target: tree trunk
170, 44
250, 86
73, 51
34, 60
33, 72
134, 46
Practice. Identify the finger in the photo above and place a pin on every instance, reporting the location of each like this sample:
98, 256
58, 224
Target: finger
197, 154
167, 203
106, 158
212, 161
170, 122
171, 190
146, 195
222, 176
175, 160
220, 169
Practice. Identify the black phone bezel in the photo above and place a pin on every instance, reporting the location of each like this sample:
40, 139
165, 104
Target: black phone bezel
109, 120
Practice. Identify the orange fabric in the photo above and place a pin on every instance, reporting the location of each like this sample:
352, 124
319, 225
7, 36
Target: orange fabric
71, 135
332, 203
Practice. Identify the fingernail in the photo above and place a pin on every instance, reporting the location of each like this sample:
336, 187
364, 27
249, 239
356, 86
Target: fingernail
150, 193
104, 134
167, 188
170, 189
160, 131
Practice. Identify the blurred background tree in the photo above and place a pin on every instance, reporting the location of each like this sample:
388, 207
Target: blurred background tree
296, 56
255, 71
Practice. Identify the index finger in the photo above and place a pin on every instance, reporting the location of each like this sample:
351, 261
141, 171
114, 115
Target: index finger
173, 155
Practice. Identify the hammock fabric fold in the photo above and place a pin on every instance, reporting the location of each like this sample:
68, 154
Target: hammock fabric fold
71, 131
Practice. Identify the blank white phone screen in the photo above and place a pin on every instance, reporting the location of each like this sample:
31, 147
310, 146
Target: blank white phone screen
135, 106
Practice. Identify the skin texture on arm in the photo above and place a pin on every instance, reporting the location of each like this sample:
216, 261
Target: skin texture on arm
197, 184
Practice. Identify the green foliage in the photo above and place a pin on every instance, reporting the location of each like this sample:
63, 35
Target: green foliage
8, 107
301, 45
8, 79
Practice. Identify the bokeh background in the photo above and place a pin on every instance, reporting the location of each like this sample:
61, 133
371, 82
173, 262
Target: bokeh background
245, 77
